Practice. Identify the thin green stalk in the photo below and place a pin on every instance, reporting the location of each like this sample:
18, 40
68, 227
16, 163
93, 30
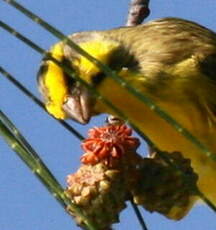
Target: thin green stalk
38, 102
17, 142
94, 92
145, 99
206, 200
31, 152
29, 161
140, 218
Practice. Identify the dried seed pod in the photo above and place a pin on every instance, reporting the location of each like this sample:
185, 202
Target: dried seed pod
163, 189
99, 191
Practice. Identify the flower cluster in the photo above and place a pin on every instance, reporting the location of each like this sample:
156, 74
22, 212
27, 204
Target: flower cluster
112, 172
104, 143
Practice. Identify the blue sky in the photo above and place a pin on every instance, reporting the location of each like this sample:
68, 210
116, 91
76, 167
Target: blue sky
25, 203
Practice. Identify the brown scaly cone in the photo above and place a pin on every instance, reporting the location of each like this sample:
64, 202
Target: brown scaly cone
100, 185
97, 190
163, 189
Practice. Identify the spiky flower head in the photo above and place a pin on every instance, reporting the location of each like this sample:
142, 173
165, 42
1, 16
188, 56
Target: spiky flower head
108, 142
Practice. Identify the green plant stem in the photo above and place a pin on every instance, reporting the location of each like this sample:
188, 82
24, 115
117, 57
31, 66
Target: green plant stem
145, 99
31, 152
17, 142
140, 218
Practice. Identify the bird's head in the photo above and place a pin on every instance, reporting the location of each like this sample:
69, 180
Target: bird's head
66, 97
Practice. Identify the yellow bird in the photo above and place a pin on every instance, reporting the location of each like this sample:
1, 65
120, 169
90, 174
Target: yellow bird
171, 60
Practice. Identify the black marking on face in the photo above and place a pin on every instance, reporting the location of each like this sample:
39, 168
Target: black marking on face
70, 80
98, 78
42, 70
43, 67
208, 66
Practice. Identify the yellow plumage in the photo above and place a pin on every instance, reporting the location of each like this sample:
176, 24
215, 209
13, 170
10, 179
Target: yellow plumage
173, 61
99, 52
56, 83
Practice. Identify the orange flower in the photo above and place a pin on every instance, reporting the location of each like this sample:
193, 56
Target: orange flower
107, 142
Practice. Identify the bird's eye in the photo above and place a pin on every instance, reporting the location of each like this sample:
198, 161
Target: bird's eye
98, 78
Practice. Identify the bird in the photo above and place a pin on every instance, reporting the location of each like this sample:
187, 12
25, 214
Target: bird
170, 60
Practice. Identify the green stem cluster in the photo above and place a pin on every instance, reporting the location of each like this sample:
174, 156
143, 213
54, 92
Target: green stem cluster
24, 150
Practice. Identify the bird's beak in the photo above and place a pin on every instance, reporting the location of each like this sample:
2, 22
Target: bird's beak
78, 104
